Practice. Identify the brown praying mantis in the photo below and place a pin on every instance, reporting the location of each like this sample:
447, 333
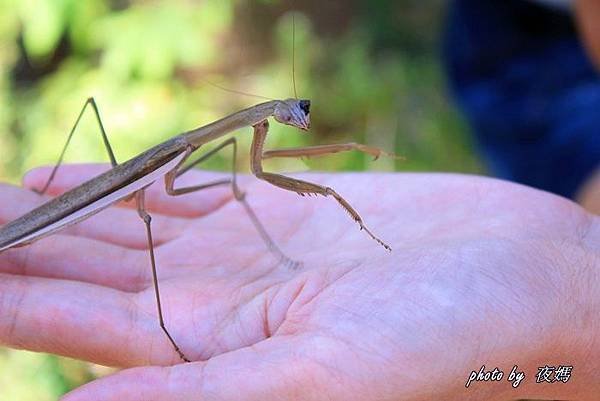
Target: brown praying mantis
129, 179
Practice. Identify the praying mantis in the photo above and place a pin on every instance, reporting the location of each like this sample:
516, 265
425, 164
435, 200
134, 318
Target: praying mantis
166, 160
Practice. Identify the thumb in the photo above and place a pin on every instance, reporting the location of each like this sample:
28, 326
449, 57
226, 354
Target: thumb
272, 369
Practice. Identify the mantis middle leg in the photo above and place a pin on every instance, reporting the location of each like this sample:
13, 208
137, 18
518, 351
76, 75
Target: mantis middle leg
237, 193
171, 190
139, 197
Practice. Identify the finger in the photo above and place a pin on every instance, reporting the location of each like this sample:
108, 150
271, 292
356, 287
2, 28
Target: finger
78, 320
114, 225
79, 259
16, 202
267, 370
157, 200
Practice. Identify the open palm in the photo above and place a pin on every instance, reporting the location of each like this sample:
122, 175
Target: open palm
354, 322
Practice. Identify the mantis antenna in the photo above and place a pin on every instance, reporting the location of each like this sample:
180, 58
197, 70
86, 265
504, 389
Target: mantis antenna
235, 91
294, 54
223, 88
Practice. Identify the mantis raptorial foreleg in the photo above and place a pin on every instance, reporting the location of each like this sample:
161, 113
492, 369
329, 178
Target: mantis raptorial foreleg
320, 150
139, 197
111, 155
237, 193
299, 186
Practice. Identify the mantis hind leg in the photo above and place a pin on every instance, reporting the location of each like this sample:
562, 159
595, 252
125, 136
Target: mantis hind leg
237, 193
90, 101
139, 195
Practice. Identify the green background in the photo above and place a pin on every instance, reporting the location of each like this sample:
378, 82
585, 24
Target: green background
371, 69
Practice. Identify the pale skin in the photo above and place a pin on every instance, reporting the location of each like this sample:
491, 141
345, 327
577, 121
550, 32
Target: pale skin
483, 271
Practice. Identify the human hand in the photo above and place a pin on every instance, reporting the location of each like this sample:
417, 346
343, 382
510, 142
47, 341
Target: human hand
482, 271
586, 14
588, 195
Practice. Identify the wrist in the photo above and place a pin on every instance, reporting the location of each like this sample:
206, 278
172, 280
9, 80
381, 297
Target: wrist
588, 195
575, 333
585, 321
559, 322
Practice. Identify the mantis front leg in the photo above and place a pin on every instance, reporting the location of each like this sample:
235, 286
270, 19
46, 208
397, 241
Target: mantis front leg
320, 150
304, 187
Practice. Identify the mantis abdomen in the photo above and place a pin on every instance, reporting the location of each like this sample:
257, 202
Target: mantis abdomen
93, 195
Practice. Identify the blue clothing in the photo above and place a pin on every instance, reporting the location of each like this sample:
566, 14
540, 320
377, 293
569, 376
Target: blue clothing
530, 94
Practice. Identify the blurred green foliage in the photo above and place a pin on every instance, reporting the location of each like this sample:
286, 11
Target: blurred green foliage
371, 70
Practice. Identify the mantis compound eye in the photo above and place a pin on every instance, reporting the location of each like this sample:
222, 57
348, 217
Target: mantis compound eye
305, 106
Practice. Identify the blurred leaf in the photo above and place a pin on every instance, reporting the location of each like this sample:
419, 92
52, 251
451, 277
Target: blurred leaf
43, 24
149, 41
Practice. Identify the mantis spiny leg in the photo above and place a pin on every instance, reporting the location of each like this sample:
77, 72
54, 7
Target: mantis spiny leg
299, 186
320, 150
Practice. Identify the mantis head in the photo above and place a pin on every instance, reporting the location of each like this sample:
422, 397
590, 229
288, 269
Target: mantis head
294, 112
